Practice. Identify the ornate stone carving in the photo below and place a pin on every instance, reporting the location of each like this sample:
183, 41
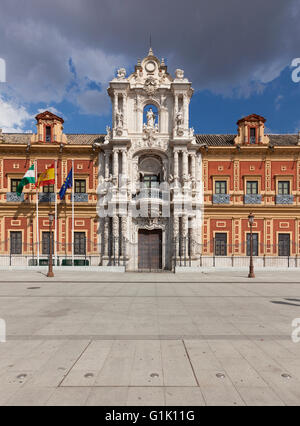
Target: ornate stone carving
179, 74
121, 73
150, 85
107, 136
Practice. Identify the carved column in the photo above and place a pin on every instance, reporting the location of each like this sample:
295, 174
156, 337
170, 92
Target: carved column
115, 236
124, 235
193, 236
186, 111
185, 235
124, 99
124, 163
115, 166
176, 234
106, 235
193, 165
185, 164
116, 99
106, 164
176, 170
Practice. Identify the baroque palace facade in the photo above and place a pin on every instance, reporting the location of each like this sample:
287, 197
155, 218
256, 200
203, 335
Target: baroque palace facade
151, 194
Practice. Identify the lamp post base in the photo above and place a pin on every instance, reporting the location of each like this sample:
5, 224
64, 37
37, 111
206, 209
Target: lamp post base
50, 274
251, 274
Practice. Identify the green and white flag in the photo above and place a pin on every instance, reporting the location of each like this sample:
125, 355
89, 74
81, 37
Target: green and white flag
29, 177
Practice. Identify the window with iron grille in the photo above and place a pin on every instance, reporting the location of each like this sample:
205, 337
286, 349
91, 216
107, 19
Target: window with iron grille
46, 243
221, 187
48, 189
284, 187
220, 244
79, 243
16, 242
252, 135
252, 187
254, 244
14, 184
80, 186
283, 244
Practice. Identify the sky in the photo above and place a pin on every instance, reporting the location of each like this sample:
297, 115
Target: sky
238, 54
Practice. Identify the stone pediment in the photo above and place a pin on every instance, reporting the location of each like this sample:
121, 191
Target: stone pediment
49, 116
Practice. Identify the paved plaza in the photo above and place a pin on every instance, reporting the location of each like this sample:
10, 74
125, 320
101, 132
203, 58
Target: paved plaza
91, 338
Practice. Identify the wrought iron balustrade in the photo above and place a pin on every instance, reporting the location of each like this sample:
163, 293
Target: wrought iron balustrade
12, 197
221, 198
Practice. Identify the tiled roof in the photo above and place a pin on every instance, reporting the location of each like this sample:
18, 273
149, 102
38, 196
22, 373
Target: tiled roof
209, 140
228, 140
73, 139
215, 140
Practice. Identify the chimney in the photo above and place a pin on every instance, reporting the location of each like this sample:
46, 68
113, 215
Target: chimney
298, 142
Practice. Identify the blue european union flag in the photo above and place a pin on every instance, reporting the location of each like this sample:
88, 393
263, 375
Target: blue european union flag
68, 183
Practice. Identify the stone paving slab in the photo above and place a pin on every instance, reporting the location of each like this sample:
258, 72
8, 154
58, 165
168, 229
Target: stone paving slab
149, 339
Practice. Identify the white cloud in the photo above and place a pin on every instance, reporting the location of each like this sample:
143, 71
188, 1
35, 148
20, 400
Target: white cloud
13, 117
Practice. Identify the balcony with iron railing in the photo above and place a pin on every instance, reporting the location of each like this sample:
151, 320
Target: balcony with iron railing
252, 199
284, 199
221, 198
13, 197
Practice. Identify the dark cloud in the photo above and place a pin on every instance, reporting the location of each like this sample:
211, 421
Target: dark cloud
221, 45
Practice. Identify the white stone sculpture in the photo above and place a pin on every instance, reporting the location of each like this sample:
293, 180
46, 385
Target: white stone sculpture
150, 119
179, 74
121, 73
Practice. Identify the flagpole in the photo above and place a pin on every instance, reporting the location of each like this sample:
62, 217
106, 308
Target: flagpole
55, 231
37, 217
72, 212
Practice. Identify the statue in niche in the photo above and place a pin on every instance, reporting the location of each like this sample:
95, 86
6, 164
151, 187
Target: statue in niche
179, 119
119, 119
150, 119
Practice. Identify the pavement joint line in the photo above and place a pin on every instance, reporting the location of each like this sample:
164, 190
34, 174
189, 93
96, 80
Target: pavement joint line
72, 366
220, 282
147, 297
225, 337
189, 359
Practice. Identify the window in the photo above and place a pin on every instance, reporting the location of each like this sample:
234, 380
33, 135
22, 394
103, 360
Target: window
284, 187
16, 242
283, 244
14, 184
221, 244
151, 181
48, 134
80, 186
46, 243
252, 187
252, 135
254, 244
48, 188
79, 243
221, 187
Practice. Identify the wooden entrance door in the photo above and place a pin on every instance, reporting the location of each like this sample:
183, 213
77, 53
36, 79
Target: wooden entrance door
150, 249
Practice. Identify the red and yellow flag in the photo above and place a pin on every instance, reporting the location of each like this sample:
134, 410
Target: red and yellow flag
46, 178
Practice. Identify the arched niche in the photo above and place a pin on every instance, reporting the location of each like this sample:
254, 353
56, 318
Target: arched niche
155, 110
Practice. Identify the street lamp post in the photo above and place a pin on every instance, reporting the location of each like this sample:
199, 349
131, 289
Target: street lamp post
50, 265
251, 267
